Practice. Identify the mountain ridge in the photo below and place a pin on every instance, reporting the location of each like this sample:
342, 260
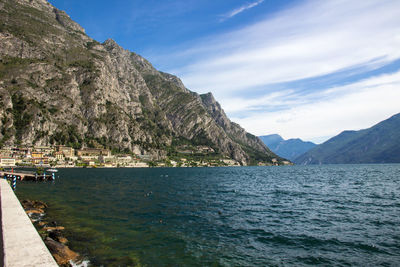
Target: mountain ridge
59, 86
289, 149
377, 144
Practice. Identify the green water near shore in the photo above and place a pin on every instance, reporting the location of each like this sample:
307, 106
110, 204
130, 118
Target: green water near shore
286, 216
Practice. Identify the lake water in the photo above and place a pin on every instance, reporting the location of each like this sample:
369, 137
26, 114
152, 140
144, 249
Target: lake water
337, 215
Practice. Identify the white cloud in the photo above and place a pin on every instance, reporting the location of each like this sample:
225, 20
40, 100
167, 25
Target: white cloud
270, 101
352, 107
240, 10
309, 40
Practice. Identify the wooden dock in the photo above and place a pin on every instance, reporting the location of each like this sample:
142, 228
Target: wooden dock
26, 176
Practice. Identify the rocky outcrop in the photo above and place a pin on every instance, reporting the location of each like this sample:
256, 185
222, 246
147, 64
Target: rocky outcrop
61, 253
51, 233
234, 130
59, 86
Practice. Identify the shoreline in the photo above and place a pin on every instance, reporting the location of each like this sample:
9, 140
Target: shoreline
128, 221
148, 167
58, 240
22, 244
52, 234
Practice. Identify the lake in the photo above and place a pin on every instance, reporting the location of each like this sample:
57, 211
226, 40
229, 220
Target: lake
333, 215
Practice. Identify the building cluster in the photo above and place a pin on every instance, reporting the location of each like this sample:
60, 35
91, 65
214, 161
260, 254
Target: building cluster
184, 162
64, 156
68, 157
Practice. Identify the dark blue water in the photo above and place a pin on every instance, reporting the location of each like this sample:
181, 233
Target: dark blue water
343, 215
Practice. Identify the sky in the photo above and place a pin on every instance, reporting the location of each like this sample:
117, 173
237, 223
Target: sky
306, 69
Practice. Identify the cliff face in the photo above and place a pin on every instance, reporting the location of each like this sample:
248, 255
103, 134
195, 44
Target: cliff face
59, 86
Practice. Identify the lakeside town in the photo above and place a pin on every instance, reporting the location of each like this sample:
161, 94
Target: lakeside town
67, 157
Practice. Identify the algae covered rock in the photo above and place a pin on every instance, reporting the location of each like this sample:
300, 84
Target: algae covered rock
61, 253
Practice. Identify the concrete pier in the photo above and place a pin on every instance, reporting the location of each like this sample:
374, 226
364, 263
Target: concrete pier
22, 245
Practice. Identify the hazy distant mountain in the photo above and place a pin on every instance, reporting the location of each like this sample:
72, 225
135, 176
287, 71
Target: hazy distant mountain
289, 149
378, 144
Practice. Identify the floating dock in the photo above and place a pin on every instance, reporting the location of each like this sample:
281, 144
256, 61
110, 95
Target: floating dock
27, 176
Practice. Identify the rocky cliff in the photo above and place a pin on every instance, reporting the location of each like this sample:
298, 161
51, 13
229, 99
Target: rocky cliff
59, 86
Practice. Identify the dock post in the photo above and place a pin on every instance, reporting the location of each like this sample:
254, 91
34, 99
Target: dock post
14, 183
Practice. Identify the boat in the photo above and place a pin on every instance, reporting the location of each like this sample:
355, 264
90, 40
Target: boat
52, 170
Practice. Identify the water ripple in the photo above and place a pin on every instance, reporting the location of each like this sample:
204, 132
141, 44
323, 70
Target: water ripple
339, 215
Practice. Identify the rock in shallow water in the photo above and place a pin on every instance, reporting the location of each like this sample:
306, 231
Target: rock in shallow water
42, 223
51, 233
61, 253
33, 204
56, 228
34, 211
58, 236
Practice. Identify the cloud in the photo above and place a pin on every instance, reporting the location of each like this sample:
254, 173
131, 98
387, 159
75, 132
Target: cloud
264, 74
351, 107
240, 10
309, 40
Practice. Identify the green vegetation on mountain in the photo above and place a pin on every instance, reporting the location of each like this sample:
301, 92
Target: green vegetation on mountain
59, 86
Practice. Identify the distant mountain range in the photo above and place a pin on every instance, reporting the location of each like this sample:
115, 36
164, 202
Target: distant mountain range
378, 144
289, 149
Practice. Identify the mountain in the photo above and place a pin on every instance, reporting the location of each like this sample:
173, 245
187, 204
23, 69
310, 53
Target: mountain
59, 86
289, 149
378, 144
271, 140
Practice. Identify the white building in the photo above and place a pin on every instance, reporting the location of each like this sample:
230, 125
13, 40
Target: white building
7, 162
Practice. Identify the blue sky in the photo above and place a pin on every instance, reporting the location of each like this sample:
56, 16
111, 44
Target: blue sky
307, 69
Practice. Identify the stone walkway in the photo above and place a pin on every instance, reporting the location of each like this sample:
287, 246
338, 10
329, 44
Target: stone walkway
22, 245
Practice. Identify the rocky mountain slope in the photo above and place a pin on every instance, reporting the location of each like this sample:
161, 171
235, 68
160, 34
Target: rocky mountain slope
59, 86
289, 149
378, 144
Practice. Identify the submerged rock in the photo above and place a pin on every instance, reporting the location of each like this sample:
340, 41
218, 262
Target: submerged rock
61, 253
122, 261
34, 211
41, 224
50, 233
55, 228
58, 236
33, 204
